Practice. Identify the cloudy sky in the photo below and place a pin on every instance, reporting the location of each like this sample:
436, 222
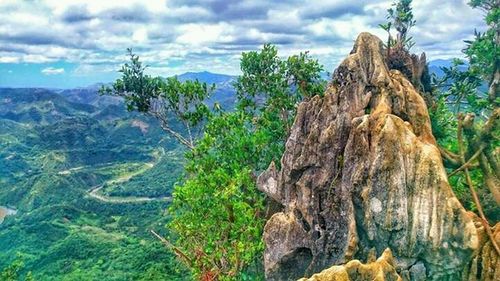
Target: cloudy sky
55, 43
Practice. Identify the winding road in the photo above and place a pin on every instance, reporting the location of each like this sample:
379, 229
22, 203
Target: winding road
94, 191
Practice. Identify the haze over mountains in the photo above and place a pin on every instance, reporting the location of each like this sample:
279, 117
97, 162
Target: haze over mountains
222, 79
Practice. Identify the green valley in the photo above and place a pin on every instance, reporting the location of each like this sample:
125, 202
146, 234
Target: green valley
56, 148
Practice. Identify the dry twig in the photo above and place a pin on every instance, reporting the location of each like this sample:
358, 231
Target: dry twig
176, 250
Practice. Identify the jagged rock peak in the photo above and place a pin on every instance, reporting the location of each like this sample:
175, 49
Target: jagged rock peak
361, 173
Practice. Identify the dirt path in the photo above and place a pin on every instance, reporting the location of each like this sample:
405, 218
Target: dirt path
94, 191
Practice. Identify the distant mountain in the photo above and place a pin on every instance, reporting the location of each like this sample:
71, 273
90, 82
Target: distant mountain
224, 93
207, 77
435, 66
90, 95
40, 106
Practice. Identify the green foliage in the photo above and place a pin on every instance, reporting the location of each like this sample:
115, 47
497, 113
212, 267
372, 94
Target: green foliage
218, 213
185, 99
135, 86
483, 53
466, 89
400, 18
162, 98
13, 272
444, 124
271, 88
49, 164
279, 83
461, 89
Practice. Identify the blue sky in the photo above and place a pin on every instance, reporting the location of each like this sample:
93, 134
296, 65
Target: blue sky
71, 43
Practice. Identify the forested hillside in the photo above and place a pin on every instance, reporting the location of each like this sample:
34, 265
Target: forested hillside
56, 147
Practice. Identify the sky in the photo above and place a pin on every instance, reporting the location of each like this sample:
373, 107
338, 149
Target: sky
76, 43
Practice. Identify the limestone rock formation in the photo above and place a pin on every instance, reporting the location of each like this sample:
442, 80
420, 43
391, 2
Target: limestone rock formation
380, 270
361, 173
485, 262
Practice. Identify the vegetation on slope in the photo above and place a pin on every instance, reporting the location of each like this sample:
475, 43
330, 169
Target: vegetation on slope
50, 161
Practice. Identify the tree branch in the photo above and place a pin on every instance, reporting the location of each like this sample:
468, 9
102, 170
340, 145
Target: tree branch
490, 179
492, 159
176, 135
482, 138
451, 160
164, 125
156, 111
467, 164
471, 186
176, 250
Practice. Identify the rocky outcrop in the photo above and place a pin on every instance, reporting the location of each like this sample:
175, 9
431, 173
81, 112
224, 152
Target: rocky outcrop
380, 270
361, 173
485, 262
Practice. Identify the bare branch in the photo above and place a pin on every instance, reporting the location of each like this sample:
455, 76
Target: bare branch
490, 179
176, 250
451, 160
471, 186
176, 135
157, 110
493, 160
468, 164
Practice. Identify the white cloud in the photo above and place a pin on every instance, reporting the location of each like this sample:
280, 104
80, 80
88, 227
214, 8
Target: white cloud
213, 33
7, 59
196, 34
140, 35
52, 71
86, 69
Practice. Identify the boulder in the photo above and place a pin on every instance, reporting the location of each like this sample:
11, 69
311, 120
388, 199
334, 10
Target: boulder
380, 270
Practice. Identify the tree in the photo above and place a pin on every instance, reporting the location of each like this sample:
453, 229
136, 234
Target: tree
470, 143
13, 271
398, 49
168, 100
401, 18
218, 213
270, 89
484, 51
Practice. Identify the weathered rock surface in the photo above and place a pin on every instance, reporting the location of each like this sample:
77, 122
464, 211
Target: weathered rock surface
382, 269
485, 262
362, 173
